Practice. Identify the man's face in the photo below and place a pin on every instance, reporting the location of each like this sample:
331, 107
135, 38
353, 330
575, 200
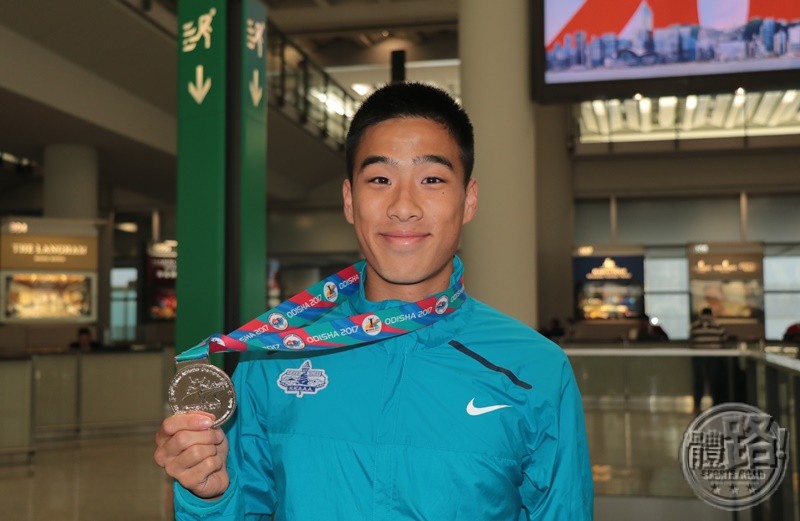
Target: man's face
407, 202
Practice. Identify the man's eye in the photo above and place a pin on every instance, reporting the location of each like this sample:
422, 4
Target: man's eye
379, 180
432, 180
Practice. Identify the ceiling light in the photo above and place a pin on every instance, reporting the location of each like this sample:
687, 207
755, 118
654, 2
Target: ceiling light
688, 113
645, 108
127, 227
615, 115
362, 89
588, 119
631, 114
666, 111
599, 107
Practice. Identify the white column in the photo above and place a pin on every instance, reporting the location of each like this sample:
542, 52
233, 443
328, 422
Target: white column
70, 182
499, 246
554, 212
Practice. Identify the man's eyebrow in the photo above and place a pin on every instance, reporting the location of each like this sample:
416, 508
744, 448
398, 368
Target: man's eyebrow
371, 160
433, 158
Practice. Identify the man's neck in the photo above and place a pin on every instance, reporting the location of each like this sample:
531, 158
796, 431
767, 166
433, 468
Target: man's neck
377, 289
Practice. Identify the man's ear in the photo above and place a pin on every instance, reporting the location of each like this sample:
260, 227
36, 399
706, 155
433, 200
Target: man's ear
347, 197
471, 201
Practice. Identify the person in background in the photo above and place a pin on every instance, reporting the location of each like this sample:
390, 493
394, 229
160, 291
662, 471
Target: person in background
707, 334
650, 331
84, 341
554, 330
792, 333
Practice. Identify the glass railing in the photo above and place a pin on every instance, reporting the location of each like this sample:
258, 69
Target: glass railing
296, 85
638, 401
299, 86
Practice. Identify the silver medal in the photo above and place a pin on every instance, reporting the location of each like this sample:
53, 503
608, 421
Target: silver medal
202, 387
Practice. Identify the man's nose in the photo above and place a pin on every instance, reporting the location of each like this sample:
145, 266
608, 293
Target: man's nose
404, 205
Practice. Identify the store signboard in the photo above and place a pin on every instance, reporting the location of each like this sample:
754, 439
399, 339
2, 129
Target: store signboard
719, 266
618, 268
48, 252
161, 275
609, 287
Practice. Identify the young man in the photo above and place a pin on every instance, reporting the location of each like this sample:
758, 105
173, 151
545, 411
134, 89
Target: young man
474, 417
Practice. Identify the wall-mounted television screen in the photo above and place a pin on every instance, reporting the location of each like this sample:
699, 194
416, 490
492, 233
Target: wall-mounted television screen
590, 49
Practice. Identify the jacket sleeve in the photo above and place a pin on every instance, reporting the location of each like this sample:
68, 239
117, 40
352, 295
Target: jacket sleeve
251, 493
557, 477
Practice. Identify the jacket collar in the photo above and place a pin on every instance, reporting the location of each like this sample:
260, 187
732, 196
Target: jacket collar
440, 332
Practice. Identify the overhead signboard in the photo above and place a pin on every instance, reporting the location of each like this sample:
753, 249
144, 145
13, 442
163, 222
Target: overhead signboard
609, 287
48, 252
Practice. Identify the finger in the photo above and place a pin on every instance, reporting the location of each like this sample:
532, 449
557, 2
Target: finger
195, 421
190, 458
171, 447
208, 477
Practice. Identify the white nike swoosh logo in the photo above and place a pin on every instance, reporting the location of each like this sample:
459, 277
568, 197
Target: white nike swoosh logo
477, 411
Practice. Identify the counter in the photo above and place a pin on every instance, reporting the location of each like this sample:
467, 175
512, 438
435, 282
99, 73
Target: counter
16, 424
68, 394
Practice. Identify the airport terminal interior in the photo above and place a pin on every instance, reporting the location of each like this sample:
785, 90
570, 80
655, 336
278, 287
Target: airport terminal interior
637, 163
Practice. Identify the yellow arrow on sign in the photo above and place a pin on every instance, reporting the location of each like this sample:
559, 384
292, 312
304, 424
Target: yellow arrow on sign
199, 88
255, 90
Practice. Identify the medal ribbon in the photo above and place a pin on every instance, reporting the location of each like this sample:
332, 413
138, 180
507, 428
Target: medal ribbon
296, 323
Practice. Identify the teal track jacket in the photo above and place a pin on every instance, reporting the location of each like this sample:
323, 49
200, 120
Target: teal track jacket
475, 418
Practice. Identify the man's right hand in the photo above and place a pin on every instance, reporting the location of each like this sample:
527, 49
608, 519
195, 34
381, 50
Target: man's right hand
193, 453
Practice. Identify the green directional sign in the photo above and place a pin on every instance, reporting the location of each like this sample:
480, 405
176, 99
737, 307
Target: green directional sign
201, 170
253, 159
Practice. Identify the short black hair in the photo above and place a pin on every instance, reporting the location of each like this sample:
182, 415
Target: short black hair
412, 100
84, 331
707, 312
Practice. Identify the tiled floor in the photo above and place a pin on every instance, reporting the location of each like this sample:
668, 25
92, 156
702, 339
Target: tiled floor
100, 479
636, 452
114, 478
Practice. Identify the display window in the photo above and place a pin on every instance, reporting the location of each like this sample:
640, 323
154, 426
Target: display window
36, 296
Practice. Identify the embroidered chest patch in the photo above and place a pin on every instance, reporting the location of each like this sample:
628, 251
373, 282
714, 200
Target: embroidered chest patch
303, 380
